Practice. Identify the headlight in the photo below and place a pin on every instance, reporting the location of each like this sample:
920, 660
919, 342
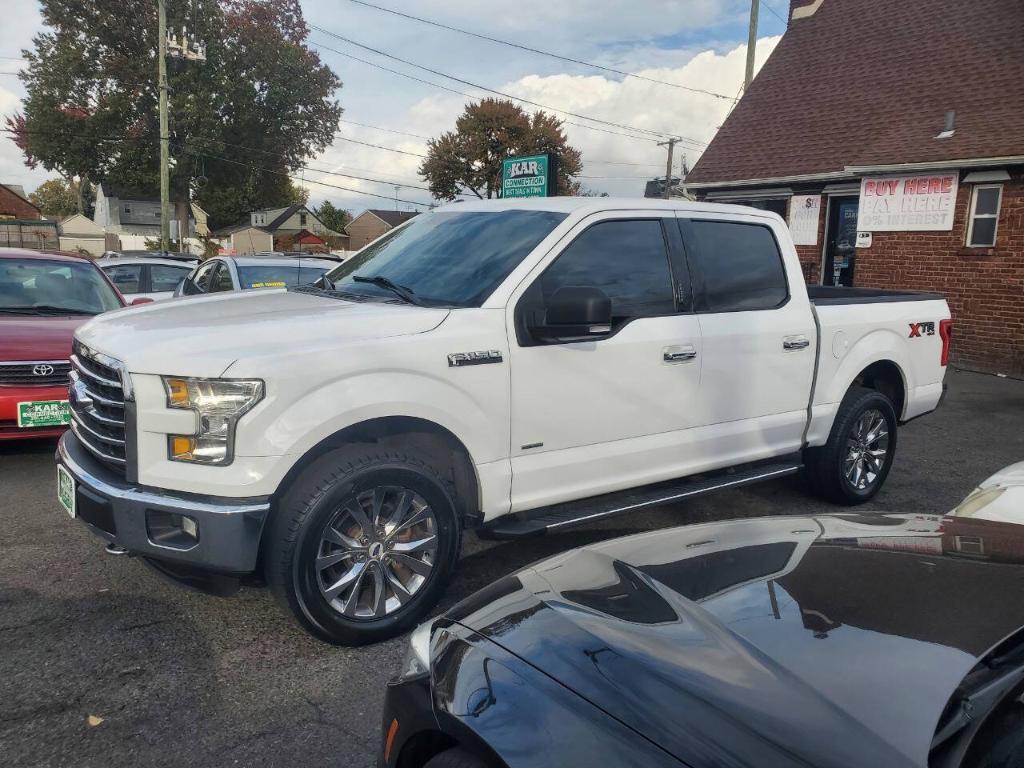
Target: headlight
977, 500
417, 655
219, 404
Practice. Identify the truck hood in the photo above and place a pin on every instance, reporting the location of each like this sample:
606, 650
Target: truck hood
37, 338
203, 336
770, 641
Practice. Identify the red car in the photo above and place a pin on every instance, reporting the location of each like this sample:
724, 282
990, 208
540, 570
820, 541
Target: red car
44, 298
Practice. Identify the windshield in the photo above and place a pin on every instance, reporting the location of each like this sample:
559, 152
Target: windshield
449, 258
283, 276
34, 286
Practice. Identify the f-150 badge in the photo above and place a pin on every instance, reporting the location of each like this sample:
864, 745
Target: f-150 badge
921, 329
457, 359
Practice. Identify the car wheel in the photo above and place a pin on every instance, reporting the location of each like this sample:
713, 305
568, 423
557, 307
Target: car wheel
455, 758
852, 466
363, 543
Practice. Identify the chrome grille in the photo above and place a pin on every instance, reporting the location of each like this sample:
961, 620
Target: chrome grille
97, 398
28, 373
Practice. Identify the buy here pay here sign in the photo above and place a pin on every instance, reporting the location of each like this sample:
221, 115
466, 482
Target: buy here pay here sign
907, 203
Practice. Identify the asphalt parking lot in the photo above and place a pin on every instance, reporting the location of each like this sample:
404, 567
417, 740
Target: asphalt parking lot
103, 663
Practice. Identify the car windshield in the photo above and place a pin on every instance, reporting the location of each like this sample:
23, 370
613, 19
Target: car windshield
281, 276
38, 286
447, 258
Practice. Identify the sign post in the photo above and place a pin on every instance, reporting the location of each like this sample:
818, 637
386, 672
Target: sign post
531, 176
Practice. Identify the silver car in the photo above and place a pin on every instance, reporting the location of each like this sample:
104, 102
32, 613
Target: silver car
146, 277
243, 273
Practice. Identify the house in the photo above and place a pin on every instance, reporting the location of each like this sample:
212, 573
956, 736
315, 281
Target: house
889, 135
289, 225
243, 239
131, 212
80, 233
372, 223
21, 223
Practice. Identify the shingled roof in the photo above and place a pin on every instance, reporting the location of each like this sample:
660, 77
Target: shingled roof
868, 82
393, 218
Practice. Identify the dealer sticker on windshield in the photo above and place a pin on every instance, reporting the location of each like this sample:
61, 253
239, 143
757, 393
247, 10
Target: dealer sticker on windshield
44, 413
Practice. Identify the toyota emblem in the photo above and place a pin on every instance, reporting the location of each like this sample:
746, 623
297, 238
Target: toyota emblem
42, 369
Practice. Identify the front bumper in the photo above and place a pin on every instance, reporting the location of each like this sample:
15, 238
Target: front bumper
135, 517
9, 399
408, 712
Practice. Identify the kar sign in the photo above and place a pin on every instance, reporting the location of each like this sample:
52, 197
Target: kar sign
907, 203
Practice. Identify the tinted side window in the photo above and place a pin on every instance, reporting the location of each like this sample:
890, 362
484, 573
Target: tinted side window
201, 281
166, 278
221, 280
625, 259
125, 277
739, 265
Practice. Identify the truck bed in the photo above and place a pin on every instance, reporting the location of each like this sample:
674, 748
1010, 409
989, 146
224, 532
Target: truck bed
830, 295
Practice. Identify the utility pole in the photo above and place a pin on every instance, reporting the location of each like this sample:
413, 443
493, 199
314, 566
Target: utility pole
190, 49
671, 143
751, 44
165, 139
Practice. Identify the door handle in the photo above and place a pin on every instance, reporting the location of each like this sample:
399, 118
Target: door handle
793, 343
678, 354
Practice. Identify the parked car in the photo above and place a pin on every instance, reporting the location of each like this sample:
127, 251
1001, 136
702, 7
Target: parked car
188, 258
514, 365
834, 641
243, 273
145, 276
44, 297
1000, 497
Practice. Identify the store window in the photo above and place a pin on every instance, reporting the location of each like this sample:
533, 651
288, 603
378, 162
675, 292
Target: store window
981, 230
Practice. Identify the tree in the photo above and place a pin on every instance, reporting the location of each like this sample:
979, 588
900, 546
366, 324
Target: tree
470, 157
333, 218
58, 198
241, 122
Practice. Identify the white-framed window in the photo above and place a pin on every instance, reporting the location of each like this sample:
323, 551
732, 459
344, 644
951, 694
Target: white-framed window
984, 218
970, 545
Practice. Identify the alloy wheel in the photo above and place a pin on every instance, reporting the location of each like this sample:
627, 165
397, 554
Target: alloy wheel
867, 446
376, 552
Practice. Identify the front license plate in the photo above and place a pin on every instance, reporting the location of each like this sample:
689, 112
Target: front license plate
66, 490
44, 413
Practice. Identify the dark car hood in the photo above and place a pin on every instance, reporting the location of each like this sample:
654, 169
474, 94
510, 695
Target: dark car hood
826, 641
38, 338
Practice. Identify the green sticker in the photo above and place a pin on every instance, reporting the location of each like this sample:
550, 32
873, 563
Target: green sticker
44, 413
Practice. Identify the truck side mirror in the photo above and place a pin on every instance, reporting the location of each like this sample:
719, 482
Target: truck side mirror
575, 313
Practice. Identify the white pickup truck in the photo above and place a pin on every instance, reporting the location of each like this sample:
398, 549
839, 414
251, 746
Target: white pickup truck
514, 366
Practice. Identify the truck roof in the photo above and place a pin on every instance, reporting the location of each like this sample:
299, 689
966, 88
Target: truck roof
596, 204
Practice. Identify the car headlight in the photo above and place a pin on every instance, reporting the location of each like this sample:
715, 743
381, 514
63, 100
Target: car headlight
218, 404
417, 655
977, 500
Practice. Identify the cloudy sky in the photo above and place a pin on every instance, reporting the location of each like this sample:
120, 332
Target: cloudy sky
700, 44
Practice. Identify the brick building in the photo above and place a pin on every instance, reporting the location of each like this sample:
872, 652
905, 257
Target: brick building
890, 135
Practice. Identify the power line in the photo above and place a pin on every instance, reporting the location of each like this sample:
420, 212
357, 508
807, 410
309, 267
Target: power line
311, 181
770, 10
378, 146
471, 84
537, 50
387, 130
469, 95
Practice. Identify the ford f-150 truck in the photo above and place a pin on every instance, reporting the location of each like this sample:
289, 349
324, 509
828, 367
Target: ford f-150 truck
516, 366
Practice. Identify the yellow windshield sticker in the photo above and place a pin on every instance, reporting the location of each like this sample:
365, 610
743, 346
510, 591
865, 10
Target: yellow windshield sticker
270, 284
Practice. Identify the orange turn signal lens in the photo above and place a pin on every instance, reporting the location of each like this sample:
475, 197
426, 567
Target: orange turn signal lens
177, 392
390, 742
182, 447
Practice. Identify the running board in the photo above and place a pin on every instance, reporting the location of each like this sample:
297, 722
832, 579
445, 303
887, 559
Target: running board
558, 516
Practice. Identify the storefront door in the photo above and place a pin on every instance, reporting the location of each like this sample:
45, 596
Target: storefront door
840, 241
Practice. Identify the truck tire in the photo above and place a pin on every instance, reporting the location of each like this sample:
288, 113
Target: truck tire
852, 466
363, 543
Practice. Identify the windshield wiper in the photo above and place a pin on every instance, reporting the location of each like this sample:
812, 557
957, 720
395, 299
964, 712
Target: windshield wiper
327, 283
405, 294
45, 309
